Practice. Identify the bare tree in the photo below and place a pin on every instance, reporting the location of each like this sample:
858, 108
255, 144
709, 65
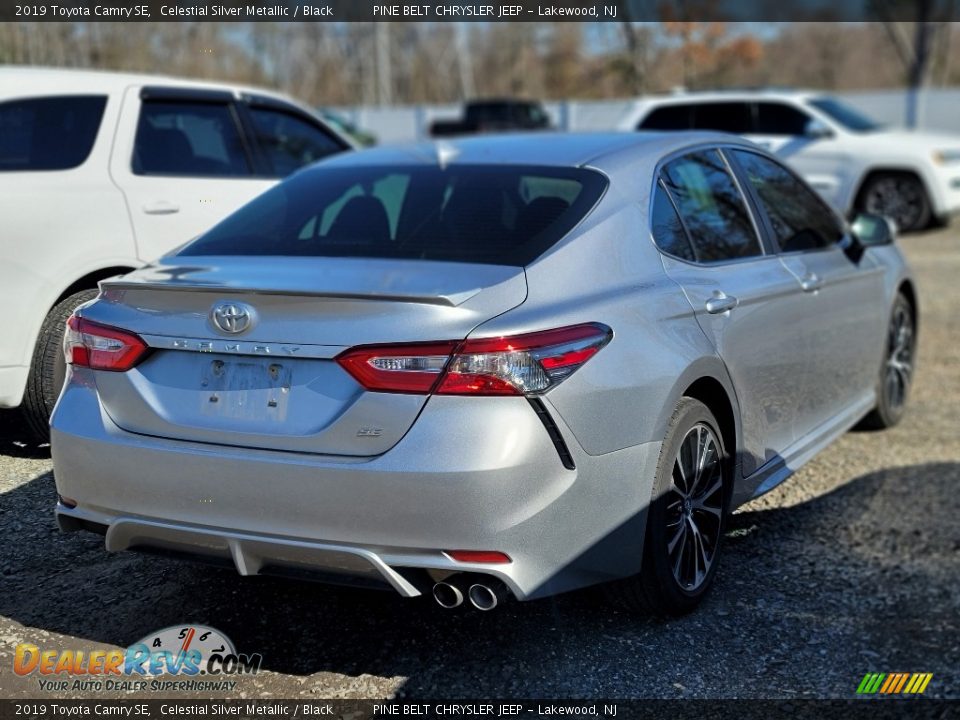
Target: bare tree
914, 49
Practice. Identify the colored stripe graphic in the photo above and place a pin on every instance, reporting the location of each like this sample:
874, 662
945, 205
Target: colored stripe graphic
894, 683
901, 683
870, 683
890, 683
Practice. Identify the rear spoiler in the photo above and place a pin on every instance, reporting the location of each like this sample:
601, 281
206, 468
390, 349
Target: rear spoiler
425, 282
450, 300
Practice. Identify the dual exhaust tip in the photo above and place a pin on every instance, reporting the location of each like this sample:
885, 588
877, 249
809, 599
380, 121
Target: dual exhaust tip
483, 594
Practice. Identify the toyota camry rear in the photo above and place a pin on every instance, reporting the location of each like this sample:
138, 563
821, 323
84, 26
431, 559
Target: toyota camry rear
447, 370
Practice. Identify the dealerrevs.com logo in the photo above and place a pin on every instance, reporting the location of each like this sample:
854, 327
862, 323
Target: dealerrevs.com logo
184, 651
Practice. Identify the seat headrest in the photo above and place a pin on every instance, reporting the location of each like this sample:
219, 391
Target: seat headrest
361, 221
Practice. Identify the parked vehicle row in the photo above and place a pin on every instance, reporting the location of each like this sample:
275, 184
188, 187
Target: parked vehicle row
494, 116
855, 163
480, 369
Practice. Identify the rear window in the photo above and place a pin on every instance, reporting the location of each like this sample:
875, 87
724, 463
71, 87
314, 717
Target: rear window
188, 139
289, 141
501, 215
49, 133
731, 117
668, 117
713, 210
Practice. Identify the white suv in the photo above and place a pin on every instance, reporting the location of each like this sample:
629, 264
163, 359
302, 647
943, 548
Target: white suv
102, 172
857, 165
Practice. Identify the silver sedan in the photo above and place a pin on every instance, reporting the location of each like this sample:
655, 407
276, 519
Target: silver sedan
483, 369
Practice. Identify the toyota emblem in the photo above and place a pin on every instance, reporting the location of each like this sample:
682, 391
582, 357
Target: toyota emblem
231, 317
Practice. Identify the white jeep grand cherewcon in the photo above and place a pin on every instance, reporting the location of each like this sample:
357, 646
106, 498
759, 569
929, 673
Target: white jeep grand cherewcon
911, 177
102, 172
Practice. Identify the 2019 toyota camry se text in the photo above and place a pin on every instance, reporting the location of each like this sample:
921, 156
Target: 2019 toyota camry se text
485, 368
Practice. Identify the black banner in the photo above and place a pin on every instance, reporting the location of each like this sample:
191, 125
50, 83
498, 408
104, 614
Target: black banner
872, 709
475, 11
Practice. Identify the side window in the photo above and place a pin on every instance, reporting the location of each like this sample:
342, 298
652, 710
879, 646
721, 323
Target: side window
800, 219
731, 117
668, 232
188, 139
712, 208
775, 118
49, 133
290, 142
668, 117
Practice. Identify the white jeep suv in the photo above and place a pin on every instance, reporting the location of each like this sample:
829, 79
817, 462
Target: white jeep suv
102, 172
856, 164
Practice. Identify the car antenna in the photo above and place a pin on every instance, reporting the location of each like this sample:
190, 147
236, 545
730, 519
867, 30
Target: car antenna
445, 153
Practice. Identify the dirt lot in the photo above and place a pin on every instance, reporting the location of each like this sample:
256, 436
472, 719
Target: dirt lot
852, 566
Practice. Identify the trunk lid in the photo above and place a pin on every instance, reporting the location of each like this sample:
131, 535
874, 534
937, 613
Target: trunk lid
275, 384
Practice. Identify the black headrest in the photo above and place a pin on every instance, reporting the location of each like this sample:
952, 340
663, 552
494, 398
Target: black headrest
362, 221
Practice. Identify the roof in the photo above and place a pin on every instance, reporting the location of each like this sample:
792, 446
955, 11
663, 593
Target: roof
533, 148
644, 104
728, 94
17, 80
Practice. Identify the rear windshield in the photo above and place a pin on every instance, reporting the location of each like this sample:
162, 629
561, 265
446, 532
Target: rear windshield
847, 116
493, 214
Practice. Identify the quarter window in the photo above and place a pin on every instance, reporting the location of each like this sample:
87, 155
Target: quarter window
668, 232
779, 119
49, 133
290, 142
712, 208
800, 219
731, 117
188, 140
668, 117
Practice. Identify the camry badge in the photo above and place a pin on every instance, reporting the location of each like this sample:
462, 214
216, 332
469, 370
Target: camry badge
232, 317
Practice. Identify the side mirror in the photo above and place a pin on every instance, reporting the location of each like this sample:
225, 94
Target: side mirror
817, 130
872, 230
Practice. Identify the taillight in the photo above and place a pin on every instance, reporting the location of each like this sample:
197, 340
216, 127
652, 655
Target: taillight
101, 347
394, 368
515, 365
491, 557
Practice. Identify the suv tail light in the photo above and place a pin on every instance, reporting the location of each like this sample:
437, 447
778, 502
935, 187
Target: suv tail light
101, 347
515, 365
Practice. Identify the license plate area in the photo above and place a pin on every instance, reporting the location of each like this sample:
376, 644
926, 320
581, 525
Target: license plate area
253, 390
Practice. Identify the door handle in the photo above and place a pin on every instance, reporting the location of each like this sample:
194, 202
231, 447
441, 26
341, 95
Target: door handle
161, 207
721, 303
811, 282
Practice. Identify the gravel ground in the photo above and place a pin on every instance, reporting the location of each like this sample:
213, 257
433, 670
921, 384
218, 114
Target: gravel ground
850, 567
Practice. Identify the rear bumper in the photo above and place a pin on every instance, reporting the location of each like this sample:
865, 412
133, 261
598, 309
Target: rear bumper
13, 380
946, 200
472, 473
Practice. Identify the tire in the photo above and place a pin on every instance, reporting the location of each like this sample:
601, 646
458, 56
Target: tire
899, 196
48, 368
896, 371
669, 583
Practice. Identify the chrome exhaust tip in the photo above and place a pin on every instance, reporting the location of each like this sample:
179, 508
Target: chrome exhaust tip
447, 595
484, 597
